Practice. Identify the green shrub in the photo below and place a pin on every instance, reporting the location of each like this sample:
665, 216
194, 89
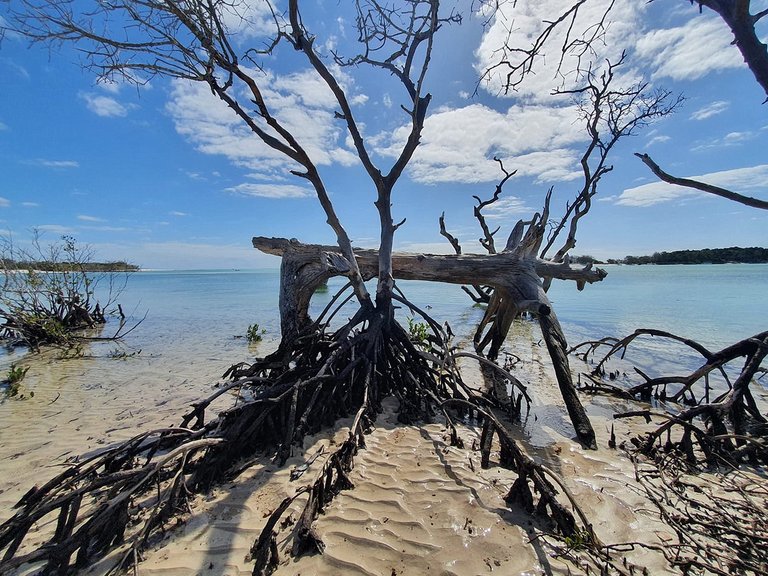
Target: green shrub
13, 380
48, 292
418, 332
254, 333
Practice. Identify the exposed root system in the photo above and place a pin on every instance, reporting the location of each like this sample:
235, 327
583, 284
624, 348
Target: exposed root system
715, 424
124, 496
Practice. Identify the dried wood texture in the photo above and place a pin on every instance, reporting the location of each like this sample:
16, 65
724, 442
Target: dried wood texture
515, 277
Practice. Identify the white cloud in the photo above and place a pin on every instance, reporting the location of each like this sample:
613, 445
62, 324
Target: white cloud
741, 180
247, 19
3, 126
459, 145
516, 25
730, 139
86, 218
30, 204
679, 52
14, 66
104, 106
661, 138
301, 102
109, 85
503, 208
177, 213
4, 202
54, 163
270, 190
108, 228
710, 110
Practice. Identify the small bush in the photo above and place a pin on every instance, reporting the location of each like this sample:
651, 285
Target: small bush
419, 332
48, 293
13, 380
255, 333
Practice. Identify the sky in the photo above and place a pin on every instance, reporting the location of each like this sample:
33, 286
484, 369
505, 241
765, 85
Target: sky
165, 176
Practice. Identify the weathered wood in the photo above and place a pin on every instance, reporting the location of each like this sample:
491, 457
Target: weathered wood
492, 269
517, 287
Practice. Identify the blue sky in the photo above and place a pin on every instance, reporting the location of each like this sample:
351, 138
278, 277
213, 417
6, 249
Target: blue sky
166, 177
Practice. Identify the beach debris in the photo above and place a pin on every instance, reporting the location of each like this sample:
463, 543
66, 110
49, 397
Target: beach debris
719, 422
298, 471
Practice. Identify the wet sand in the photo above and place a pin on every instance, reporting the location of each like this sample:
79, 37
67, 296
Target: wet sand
419, 506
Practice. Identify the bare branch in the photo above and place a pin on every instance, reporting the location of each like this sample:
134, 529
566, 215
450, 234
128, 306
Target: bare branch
515, 63
609, 114
701, 186
451, 238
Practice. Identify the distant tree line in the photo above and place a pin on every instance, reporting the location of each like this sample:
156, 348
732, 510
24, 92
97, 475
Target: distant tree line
50, 266
735, 254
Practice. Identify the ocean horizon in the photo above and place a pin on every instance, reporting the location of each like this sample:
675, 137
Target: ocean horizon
190, 315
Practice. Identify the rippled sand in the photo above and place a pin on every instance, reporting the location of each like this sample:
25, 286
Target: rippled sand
419, 506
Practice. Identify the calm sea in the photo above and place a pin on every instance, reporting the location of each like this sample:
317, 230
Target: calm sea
198, 319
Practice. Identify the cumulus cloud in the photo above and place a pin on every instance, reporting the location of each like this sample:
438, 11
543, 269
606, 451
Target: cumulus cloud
741, 180
678, 52
3, 126
177, 213
301, 102
516, 26
506, 207
710, 110
104, 106
246, 19
270, 190
86, 218
4, 202
458, 145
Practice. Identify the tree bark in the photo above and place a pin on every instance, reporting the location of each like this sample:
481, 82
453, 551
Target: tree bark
516, 278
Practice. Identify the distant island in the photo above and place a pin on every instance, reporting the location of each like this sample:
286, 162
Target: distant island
734, 254
44, 266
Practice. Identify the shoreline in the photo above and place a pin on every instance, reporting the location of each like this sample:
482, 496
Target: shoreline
410, 517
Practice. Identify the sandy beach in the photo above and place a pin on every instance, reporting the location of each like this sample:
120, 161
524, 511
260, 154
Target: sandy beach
419, 506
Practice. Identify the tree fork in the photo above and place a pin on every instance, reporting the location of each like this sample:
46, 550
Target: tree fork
306, 266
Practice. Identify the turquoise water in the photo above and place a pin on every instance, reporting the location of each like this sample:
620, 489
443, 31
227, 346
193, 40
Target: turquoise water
202, 316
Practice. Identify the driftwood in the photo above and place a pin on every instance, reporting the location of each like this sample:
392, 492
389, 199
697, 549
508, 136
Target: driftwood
716, 424
516, 281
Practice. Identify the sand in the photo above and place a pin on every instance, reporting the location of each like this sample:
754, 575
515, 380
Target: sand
419, 506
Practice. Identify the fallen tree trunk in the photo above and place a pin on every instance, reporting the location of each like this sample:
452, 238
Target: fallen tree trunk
307, 266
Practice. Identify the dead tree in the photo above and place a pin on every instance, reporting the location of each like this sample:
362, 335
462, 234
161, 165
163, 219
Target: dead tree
609, 114
737, 15
319, 374
716, 423
515, 273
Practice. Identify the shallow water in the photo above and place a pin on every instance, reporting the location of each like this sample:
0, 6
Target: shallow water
194, 329
195, 321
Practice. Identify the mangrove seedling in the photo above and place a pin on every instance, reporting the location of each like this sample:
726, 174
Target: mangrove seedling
255, 333
13, 380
